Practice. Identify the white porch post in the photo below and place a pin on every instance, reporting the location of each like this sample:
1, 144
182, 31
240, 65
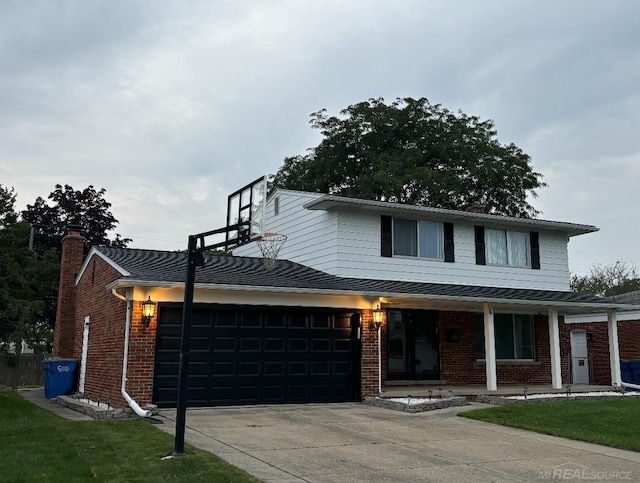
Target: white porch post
554, 347
490, 348
614, 350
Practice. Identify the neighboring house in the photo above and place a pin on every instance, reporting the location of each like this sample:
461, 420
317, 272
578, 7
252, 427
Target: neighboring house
466, 298
592, 328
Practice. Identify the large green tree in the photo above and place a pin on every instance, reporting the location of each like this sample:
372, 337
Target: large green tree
28, 283
606, 280
87, 208
412, 151
29, 272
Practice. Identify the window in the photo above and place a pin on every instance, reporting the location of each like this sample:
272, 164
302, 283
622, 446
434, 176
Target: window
412, 238
513, 333
276, 206
504, 247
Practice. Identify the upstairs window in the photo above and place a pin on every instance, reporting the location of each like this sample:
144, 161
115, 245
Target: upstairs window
504, 247
507, 248
416, 238
412, 238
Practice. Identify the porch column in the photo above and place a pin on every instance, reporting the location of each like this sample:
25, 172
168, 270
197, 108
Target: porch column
490, 348
554, 347
614, 350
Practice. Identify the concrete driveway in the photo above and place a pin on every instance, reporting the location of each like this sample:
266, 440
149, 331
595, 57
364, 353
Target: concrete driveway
355, 442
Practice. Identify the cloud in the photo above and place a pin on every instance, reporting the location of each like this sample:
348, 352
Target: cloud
170, 105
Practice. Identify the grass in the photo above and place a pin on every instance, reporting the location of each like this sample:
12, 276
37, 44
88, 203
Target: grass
609, 422
37, 445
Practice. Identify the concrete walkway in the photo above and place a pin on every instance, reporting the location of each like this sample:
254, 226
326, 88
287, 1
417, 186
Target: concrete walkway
36, 396
355, 442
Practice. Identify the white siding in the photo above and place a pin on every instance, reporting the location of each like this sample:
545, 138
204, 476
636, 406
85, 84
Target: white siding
311, 235
359, 256
347, 243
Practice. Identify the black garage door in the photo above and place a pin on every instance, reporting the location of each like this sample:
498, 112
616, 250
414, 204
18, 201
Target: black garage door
259, 355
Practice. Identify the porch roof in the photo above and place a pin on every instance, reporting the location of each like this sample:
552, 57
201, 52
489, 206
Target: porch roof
153, 268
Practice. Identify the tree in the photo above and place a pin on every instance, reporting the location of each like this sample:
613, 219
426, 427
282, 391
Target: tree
28, 283
411, 151
607, 280
28, 279
88, 208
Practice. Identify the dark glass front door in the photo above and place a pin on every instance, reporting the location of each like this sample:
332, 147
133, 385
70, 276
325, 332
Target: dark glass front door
413, 344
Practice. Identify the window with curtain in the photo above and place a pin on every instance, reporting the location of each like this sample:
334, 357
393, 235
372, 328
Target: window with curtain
513, 334
413, 238
503, 247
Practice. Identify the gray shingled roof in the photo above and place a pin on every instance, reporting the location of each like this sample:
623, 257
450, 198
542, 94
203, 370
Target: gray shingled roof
626, 298
162, 267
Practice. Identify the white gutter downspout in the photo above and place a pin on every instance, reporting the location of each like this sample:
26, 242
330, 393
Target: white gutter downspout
143, 413
629, 385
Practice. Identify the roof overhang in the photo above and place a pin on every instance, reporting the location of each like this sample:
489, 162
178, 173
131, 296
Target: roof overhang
398, 299
332, 203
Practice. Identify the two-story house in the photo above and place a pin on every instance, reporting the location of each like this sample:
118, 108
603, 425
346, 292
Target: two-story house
462, 298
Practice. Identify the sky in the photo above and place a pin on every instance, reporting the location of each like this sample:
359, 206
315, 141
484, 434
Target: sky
172, 105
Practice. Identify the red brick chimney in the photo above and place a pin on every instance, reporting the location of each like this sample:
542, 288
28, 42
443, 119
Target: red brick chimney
70, 263
476, 208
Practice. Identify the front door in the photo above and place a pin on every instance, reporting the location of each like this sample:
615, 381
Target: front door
413, 345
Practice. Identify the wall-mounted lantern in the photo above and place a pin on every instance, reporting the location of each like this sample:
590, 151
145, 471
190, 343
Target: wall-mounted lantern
378, 315
148, 309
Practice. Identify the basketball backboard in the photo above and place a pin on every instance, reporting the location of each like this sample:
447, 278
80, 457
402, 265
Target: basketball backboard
247, 207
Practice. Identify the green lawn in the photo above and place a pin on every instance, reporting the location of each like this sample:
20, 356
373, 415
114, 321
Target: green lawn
37, 445
610, 422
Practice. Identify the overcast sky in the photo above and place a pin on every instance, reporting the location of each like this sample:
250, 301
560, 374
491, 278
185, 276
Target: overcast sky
172, 105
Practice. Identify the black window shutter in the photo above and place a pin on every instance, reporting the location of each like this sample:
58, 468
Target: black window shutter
535, 249
480, 257
386, 240
449, 255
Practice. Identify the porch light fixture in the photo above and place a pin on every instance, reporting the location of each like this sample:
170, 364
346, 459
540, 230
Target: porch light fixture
148, 309
377, 319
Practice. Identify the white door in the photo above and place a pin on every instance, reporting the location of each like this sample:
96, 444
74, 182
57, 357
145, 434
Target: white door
579, 357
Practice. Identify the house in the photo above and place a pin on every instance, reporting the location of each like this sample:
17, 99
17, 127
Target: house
588, 340
464, 298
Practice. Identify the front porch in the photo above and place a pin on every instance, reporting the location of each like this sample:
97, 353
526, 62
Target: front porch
468, 350
472, 391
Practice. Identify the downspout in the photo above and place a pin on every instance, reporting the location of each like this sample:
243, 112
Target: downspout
125, 361
631, 386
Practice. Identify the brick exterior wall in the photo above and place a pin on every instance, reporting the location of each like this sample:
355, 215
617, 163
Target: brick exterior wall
629, 339
598, 346
70, 264
458, 359
369, 367
106, 339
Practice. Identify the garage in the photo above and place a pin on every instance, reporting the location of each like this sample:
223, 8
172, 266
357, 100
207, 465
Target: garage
259, 355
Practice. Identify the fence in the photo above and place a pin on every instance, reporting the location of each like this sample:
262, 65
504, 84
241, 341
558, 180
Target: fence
21, 370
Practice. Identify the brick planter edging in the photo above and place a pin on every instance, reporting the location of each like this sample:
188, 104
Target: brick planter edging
94, 411
501, 400
386, 403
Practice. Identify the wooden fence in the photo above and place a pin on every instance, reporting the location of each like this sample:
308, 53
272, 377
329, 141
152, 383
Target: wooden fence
21, 370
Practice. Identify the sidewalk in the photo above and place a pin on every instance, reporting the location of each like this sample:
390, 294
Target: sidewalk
36, 396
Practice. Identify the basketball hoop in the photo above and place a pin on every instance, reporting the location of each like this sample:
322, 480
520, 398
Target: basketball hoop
270, 245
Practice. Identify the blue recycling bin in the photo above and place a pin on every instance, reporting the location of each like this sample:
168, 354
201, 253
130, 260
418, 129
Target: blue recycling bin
635, 370
626, 372
59, 377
